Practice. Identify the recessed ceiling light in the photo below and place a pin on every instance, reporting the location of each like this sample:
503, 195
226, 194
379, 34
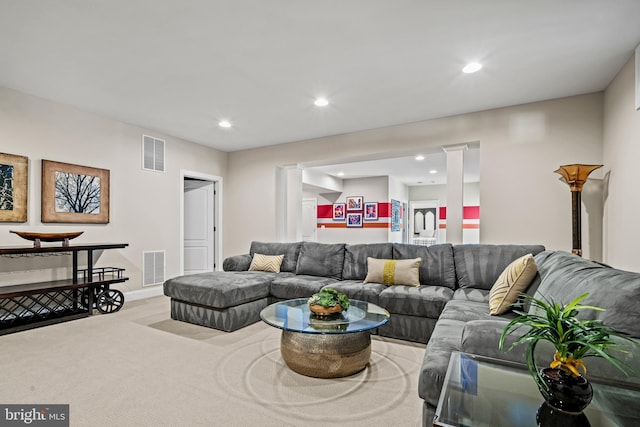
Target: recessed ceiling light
224, 123
472, 67
432, 171
321, 102
419, 157
340, 173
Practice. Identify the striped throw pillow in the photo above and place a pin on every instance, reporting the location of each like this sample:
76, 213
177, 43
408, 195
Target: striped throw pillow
270, 263
514, 280
393, 271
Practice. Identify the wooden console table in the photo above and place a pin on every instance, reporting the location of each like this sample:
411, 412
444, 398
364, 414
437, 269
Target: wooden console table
32, 305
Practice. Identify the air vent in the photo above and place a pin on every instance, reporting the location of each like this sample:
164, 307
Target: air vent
152, 153
152, 268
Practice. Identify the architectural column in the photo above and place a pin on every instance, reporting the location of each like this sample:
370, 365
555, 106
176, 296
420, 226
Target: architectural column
289, 203
455, 191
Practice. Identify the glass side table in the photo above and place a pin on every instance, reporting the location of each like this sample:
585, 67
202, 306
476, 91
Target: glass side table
484, 392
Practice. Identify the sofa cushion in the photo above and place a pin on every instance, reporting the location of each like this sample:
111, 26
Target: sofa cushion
425, 301
299, 286
466, 311
220, 289
355, 289
270, 263
565, 276
289, 250
471, 294
437, 267
478, 266
321, 259
393, 271
355, 258
511, 283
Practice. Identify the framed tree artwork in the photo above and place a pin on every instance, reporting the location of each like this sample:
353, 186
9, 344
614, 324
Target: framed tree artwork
14, 175
74, 194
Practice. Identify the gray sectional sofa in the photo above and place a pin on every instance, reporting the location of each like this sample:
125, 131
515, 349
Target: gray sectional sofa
449, 311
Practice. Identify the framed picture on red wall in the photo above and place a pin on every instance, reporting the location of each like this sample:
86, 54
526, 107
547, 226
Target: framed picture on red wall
371, 211
354, 220
339, 211
354, 203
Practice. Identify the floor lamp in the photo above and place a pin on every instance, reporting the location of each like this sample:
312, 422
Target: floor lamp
576, 175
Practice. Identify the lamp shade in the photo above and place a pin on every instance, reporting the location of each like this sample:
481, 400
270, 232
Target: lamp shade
576, 175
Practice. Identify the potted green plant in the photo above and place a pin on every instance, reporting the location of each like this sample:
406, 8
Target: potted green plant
562, 384
328, 302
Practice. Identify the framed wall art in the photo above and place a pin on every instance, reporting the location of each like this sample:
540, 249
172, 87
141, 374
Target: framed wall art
14, 177
339, 211
371, 211
75, 194
354, 220
354, 203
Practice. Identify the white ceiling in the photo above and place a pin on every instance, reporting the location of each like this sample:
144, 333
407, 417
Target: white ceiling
407, 169
179, 66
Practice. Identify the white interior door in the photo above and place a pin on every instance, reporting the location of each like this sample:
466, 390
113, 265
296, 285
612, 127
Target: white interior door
198, 226
309, 220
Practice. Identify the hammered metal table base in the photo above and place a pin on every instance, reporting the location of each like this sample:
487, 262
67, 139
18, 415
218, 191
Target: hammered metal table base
326, 355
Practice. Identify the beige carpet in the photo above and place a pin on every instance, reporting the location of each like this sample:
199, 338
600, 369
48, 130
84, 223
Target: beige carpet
140, 368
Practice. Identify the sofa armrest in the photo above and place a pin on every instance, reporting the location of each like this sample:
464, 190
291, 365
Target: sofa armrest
237, 263
482, 337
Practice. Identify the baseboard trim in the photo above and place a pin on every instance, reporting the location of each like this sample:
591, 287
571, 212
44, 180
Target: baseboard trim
143, 293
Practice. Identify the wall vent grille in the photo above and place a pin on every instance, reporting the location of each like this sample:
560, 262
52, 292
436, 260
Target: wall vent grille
152, 268
152, 153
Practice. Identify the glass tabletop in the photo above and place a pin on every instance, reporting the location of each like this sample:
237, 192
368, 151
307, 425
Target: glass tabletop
484, 392
294, 315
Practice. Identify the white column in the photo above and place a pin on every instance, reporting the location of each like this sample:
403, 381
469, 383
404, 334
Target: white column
455, 191
289, 203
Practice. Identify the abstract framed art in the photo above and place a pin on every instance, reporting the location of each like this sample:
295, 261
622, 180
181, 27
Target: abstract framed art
354, 220
14, 176
338, 211
371, 211
354, 203
74, 194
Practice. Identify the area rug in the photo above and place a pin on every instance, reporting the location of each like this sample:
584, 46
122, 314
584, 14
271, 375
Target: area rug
140, 368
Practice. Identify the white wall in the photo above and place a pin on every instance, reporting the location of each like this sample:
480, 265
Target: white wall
522, 199
145, 208
621, 160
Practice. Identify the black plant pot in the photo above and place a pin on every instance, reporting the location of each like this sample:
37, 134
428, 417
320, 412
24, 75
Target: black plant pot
564, 391
547, 416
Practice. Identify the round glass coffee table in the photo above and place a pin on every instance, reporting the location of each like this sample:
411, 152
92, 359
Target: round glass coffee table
325, 347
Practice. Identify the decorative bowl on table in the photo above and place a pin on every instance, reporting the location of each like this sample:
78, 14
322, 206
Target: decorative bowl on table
36, 238
328, 302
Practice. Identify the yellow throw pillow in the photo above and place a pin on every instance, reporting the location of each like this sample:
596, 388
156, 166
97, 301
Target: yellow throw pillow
514, 280
393, 271
270, 263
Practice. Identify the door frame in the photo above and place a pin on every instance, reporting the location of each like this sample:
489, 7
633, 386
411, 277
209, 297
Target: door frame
217, 215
